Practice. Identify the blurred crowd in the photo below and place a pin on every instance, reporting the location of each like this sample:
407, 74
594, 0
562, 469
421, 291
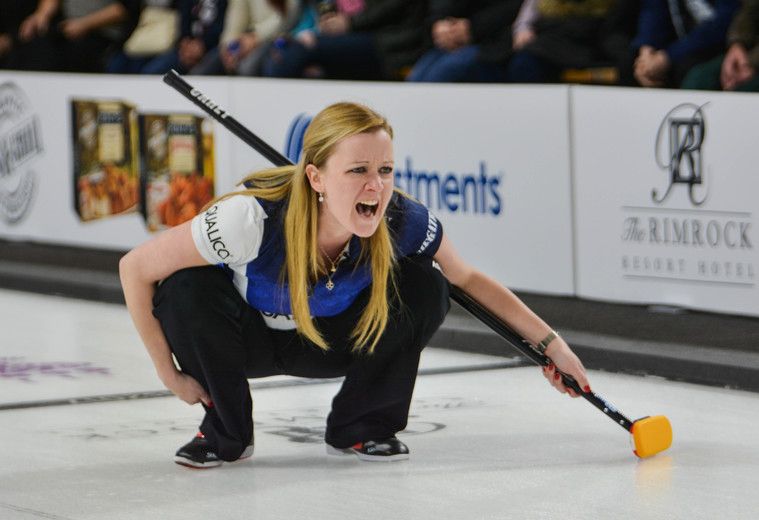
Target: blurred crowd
697, 44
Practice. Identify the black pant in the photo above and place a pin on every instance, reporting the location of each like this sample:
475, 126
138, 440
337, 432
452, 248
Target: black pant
220, 341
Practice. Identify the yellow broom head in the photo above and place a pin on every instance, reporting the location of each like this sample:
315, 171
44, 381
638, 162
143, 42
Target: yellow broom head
651, 435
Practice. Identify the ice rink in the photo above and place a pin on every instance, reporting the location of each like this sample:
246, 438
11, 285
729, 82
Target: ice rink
87, 432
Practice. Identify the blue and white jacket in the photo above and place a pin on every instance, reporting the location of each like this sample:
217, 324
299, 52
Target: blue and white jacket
244, 235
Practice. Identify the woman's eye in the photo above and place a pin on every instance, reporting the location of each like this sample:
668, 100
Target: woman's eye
384, 170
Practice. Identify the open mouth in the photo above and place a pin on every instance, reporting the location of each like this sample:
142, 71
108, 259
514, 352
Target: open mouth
367, 208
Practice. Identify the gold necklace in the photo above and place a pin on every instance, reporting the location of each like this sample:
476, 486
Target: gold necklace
333, 268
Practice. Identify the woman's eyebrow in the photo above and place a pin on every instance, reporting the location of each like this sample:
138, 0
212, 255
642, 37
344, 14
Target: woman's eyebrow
388, 161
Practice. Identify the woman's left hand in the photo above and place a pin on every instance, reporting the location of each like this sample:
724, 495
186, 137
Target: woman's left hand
563, 359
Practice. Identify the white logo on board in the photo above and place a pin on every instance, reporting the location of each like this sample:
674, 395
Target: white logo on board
20, 144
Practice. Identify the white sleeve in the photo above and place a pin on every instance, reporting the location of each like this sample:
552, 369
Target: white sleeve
230, 231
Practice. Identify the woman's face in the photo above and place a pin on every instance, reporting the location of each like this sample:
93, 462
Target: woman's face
357, 183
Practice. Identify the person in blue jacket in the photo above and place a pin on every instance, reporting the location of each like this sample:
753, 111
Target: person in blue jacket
318, 269
673, 36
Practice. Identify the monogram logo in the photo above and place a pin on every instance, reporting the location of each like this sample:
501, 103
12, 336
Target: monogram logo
678, 150
20, 145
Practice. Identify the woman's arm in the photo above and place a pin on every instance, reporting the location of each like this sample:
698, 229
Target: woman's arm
140, 270
506, 306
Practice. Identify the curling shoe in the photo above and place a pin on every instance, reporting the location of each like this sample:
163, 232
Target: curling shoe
198, 454
387, 450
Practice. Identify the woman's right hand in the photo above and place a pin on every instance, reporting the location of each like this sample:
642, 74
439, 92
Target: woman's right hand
140, 270
187, 389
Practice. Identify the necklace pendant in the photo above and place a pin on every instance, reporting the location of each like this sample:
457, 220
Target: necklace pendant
330, 285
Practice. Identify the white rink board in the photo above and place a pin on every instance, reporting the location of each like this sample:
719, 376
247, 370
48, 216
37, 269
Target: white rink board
502, 194
523, 236
493, 162
698, 252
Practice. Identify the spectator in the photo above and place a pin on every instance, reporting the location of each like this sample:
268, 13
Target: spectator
370, 39
469, 40
37, 53
303, 26
201, 23
249, 27
155, 34
95, 30
735, 70
550, 36
674, 36
88, 32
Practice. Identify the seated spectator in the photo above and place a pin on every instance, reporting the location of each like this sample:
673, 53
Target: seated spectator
87, 32
674, 36
550, 36
201, 23
303, 26
353, 39
37, 53
93, 30
249, 27
471, 41
156, 33
735, 70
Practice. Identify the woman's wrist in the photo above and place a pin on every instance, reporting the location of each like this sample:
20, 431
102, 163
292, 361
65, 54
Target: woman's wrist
168, 375
549, 339
555, 347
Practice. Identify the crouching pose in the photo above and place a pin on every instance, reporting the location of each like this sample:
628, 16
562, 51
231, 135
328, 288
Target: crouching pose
320, 269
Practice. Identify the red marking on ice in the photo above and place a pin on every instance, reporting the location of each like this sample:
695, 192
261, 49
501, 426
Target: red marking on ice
19, 369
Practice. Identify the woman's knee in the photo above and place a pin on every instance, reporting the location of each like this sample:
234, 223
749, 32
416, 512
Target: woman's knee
190, 294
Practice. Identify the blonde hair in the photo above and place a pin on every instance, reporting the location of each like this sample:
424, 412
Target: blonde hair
303, 261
